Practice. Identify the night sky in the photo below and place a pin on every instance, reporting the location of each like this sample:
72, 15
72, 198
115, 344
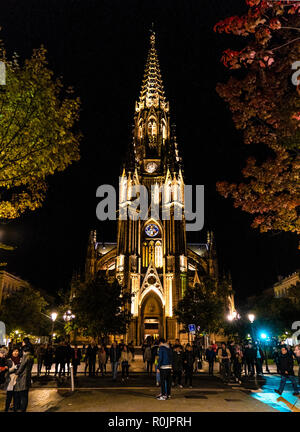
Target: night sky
100, 48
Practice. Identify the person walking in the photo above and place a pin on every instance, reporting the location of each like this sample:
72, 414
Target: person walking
75, 358
48, 359
11, 377
148, 359
114, 356
188, 362
165, 369
69, 352
237, 363
102, 357
126, 358
224, 358
210, 357
177, 365
40, 356
286, 366
23, 381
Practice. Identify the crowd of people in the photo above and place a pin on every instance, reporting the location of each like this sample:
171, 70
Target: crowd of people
168, 362
15, 374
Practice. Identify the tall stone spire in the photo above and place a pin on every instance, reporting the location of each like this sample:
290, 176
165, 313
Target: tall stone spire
152, 91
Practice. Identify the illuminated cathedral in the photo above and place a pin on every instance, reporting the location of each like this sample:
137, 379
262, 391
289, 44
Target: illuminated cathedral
151, 258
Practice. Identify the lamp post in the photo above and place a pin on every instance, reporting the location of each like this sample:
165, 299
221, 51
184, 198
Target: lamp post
264, 336
53, 317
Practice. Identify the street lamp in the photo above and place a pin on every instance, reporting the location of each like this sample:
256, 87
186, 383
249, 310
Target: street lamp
251, 318
53, 317
264, 338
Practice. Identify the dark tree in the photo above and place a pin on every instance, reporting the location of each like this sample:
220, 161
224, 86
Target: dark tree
101, 308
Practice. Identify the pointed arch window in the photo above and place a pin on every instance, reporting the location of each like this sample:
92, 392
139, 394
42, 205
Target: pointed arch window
152, 128
158, 254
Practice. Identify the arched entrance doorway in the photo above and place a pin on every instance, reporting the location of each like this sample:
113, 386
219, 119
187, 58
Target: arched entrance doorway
151, 323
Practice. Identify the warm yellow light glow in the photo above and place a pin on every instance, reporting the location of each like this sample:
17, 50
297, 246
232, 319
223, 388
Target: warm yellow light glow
53, 316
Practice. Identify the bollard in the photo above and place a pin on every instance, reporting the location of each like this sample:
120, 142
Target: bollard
72, 378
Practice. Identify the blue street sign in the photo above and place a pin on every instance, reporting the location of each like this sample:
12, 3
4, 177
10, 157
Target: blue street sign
192, 328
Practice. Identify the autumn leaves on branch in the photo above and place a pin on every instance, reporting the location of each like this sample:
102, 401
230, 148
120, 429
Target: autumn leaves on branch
265, 105
37, 136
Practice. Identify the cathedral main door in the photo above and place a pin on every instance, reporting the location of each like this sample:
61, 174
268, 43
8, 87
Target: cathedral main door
151, 319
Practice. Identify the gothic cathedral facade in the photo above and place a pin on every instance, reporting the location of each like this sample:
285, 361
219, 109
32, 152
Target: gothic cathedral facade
151, 258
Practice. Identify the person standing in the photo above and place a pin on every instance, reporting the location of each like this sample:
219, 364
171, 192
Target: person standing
102, 358
11, 377
210, 357
23, 381
148, 358
60, 359
165, 368
224, 358
92, 355
297, 356
286, 366
177, 365
76, 358
126, 358
196, 354
114, 355
48, 359
188, 362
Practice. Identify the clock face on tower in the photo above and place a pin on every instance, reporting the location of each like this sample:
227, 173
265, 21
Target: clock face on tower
151, 230
151, 167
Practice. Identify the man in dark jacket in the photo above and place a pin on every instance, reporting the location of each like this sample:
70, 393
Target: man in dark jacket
23, 381
210, 357
3, 365
165, 367
114, 356
297, 357
286, 366
250, 356
177, 365
259, 358
60, 358
91, 354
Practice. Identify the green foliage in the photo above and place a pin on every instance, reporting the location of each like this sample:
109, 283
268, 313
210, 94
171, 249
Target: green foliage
204, 305
37, 118
100, 308
23, 310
